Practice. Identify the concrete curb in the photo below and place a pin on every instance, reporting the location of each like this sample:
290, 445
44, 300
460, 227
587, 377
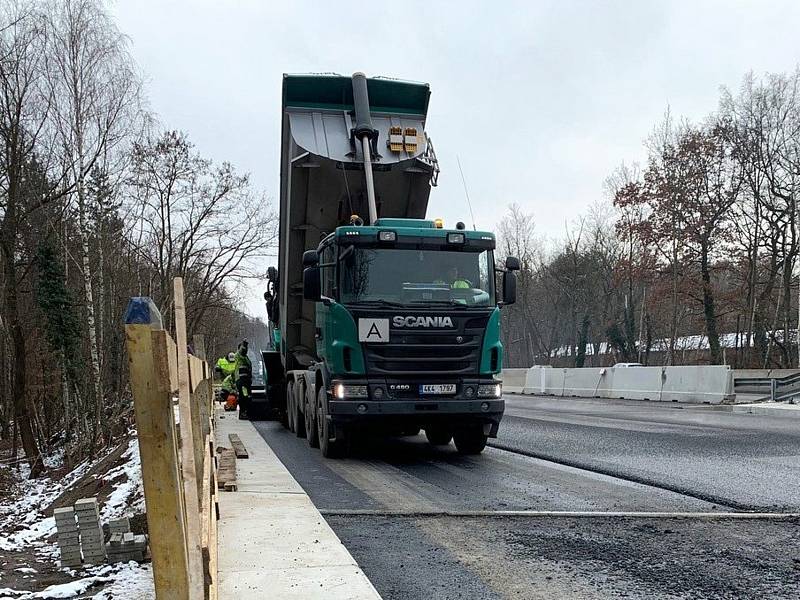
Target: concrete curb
784, 411
273, 542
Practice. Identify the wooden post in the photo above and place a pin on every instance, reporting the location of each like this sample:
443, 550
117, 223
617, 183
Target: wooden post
188, 466
155, 422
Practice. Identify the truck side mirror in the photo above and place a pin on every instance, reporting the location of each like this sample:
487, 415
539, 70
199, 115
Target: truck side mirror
512, 263
312, 289
310, 258
509, 288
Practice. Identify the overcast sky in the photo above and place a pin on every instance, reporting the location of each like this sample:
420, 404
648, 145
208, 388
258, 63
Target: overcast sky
539, 100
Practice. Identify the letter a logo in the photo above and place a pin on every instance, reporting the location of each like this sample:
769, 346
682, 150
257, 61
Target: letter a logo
375, 331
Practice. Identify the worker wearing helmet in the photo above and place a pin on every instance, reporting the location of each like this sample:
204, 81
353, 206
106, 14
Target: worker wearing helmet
226, 364
243, 378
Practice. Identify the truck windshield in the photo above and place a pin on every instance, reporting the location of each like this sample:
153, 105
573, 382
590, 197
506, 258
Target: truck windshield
416, 277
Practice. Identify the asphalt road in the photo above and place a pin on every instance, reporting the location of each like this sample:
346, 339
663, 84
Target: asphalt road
645, 454
742, 461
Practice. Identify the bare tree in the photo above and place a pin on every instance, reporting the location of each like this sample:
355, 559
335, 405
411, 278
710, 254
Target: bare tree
95, 81
198, 221
26, 106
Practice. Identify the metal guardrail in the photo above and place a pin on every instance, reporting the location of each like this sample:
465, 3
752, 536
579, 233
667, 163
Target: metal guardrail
777, 388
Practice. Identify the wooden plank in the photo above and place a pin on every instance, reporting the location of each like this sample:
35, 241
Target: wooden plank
172, 362
191, 494
160, 474
237, 445
199, 345
226, 468
198, 442
206, 524
195, 372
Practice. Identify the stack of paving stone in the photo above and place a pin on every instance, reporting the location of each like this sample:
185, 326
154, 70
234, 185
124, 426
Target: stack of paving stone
68, 541
124, 546
92, 542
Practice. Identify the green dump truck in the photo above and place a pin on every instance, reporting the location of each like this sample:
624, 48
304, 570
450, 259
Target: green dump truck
386, 321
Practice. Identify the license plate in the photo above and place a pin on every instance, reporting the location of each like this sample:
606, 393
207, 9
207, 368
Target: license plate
437, 388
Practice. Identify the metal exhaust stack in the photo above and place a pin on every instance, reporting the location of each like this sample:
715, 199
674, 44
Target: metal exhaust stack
366, 133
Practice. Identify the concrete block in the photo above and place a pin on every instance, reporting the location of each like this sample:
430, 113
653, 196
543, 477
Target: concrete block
68, 543
93, 540
120, 525
72, 563
88, 519
135, 556
85, 503
64, 514
94, 532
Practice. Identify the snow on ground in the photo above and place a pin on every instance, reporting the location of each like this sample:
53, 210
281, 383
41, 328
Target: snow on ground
23, 525
21, 514
128, 581
128, 495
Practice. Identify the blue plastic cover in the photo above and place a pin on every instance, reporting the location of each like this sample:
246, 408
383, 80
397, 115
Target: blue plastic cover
143, 311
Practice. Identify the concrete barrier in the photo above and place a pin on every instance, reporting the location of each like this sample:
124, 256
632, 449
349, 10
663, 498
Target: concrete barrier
514, 380
712, 384
536, 379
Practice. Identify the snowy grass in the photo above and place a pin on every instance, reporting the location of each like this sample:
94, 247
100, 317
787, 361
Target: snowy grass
24, 526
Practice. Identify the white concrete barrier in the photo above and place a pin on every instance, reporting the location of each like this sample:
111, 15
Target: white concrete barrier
536, 379
514, 380
712, 384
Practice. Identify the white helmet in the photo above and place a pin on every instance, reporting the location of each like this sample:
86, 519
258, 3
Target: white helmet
231, 356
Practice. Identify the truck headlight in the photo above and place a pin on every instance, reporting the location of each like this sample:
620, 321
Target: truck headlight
343, 391
490, 390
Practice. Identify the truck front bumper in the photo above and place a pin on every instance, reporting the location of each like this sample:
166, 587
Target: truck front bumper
488, 411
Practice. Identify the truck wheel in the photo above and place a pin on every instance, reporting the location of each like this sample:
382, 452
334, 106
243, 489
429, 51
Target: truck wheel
438, 436
411, 431
330, 448
311, 425
299, 419
470, 440
290, 406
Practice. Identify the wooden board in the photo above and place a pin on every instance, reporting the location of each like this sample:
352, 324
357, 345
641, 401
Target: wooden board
163, 491
226, 470
189, 471
238, 446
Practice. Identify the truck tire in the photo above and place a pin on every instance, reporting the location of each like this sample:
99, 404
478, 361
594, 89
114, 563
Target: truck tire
299, 419
290, 406
470, 440
411, 431
311, 424
438, 436
330, 448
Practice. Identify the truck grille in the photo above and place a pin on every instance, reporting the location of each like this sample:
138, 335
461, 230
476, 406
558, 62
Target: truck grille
433, 352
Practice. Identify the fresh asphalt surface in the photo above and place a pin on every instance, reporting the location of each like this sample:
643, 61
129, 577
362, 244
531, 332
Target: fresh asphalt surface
569, 455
